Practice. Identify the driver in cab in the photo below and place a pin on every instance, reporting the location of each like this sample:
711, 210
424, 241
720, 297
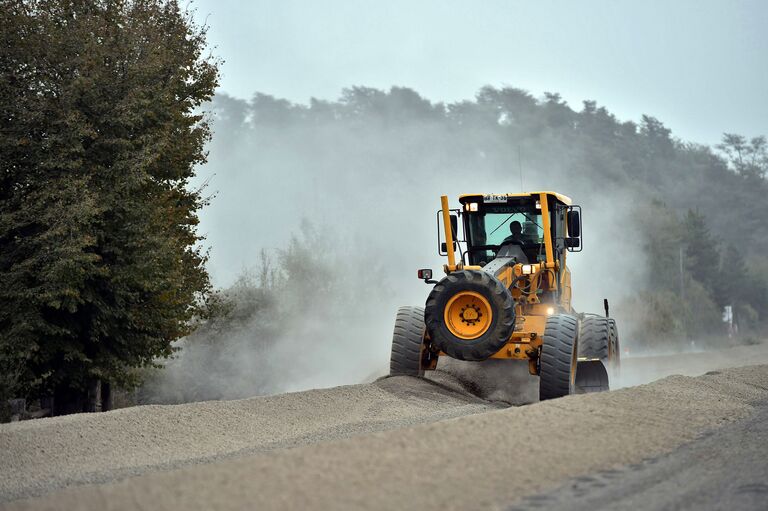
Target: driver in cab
516, 237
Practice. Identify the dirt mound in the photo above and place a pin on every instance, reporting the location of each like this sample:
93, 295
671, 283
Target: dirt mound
485, 460
45, 455
42, 455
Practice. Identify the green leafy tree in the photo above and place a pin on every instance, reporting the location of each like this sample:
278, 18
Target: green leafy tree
100, 132
736, 272
557, 111
702, 256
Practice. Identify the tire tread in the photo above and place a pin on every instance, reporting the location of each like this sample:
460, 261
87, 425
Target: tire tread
560, 339
407, 342
594, 337
499, 331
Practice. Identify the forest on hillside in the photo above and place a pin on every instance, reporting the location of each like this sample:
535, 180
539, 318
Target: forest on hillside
676, 230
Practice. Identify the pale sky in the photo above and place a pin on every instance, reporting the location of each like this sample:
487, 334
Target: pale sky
700, 66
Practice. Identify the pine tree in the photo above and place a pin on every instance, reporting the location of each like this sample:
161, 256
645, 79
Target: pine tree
702, 255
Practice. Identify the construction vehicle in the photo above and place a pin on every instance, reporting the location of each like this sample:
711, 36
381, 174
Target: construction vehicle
508, 296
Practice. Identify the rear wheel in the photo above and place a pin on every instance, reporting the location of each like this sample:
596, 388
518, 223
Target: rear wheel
594, 338
557, 371
595, 347
408, 346
591, 376
614, 348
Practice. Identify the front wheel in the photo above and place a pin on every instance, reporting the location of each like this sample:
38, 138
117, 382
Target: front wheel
470, 315
557, 371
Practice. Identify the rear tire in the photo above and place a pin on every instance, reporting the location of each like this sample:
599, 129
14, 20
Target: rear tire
557, 369
594, 338
591, 376
614, 352
594, 345
408, 347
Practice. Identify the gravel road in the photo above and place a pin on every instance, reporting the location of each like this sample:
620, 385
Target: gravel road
725, 469
396, 443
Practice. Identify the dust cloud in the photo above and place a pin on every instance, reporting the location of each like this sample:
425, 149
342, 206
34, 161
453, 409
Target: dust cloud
372, 188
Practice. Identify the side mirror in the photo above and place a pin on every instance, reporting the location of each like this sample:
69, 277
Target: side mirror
453, 222
574, 224
572, 242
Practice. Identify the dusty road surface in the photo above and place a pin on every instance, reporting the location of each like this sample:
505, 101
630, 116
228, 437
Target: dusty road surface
42, 455
643, 369
396, 443
725, 469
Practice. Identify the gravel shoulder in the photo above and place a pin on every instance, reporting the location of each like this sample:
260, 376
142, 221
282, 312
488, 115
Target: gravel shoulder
390, 436
485, 460
43, 455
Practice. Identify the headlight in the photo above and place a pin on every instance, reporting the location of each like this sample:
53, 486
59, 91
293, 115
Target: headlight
529, 269
550, 311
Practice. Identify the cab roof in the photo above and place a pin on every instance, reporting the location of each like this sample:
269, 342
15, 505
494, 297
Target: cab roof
562, 198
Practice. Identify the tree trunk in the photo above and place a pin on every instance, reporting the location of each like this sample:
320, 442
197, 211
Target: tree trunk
106, 396
67, 400
92, 397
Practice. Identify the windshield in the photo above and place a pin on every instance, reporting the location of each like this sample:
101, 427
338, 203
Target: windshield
495, 225
499, 224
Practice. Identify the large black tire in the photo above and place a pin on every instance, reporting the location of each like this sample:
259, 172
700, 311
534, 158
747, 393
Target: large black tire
502, 309
594, 338
614, 355
408, 342
594, 345
557, 368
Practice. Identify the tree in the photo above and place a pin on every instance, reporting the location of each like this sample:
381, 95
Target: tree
736, 273
749, 159
657, 139
556, 111
702, 255
100, 132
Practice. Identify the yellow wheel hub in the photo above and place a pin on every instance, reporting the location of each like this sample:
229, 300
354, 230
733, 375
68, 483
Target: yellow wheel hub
468, 315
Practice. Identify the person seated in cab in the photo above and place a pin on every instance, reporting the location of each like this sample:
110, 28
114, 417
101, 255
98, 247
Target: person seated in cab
516, 237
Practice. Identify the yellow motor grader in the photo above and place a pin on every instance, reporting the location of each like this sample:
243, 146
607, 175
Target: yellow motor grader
508, 296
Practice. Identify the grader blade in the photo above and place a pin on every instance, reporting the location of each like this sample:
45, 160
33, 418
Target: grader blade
591, 376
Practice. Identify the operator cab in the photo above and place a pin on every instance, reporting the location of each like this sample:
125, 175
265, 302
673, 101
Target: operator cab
509, 226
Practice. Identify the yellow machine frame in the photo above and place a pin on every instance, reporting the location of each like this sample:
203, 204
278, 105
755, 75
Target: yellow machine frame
550, 275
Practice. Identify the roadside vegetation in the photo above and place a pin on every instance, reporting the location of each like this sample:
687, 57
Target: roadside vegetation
297, 310
101, 267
